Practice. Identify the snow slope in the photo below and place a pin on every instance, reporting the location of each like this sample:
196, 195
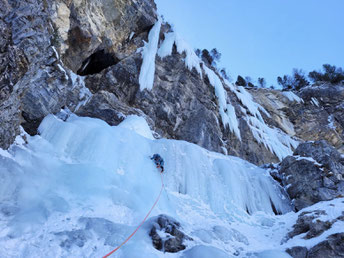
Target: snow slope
81, 187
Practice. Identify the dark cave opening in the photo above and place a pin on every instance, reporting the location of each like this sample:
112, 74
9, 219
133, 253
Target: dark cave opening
97, 62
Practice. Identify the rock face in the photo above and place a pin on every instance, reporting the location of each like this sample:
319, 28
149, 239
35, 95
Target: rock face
332, 247
311, 224
330, 97
174, 238
45, 44
318, 115
100, 28
307, 223
315, 173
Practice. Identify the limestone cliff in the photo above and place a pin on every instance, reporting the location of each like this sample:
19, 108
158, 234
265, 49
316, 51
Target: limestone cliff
87, 56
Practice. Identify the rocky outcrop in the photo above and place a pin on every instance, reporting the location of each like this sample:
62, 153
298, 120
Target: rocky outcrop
312, 225
329, 96
44, 42
114, 28
108, 107
315, 173
333, 246
174, 238
47, 43
297, 252
307, 223
317, 114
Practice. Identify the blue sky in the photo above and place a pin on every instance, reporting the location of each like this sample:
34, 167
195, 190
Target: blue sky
262, 38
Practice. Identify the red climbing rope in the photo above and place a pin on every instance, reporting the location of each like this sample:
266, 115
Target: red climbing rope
156, 201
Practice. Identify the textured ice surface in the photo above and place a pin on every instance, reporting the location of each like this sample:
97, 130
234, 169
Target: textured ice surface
81, 187
146, 77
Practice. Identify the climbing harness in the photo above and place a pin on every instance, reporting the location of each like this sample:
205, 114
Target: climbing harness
132, 234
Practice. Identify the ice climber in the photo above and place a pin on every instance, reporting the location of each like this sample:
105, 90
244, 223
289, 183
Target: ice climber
159, 162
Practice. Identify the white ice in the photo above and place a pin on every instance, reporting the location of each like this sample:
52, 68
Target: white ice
292, 96
146, 77
274, 139
81, 187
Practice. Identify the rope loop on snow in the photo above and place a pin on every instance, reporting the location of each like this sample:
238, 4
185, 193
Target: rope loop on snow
132, 234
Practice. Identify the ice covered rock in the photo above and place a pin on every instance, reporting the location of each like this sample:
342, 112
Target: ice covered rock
323, 153
302, 118
307, 223
167, 236
108, 107
330, 97
321, 229
96, 182
333, 246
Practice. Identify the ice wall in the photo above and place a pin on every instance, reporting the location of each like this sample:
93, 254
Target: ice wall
82, 167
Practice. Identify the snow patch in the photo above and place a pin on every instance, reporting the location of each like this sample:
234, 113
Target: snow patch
309, 159
5, 153
56, 53
330, 120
